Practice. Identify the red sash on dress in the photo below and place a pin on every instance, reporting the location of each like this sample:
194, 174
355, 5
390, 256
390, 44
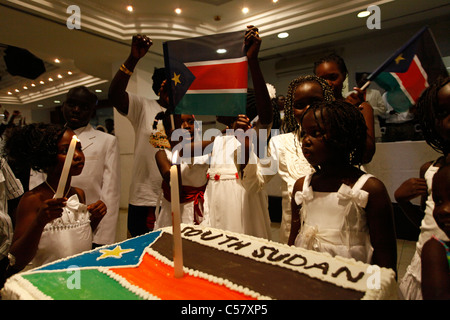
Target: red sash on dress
189, 194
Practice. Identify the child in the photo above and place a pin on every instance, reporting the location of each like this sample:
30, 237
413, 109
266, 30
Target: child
192, 172
339, 209
433, 113
284, 154
46, 228
332, 68
436, 252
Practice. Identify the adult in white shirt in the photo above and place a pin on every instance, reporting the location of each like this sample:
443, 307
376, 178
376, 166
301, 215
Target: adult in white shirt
100, 178
141, 112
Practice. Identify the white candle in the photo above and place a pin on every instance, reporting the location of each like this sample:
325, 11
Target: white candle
66, 168
176, 222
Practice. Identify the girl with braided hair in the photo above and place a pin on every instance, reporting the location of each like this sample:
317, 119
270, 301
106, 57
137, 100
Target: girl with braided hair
284, 152
49, 228
432, 110
340, 209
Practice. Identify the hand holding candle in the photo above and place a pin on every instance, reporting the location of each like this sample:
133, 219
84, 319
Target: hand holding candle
66, 168
176, 223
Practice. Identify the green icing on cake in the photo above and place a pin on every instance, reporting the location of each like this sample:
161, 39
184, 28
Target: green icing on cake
87, 284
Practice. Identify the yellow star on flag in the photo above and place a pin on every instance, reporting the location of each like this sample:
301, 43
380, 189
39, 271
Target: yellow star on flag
117, 253
399, 58
176, 78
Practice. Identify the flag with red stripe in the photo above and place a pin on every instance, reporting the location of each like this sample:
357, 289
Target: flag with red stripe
207, 75
410, 70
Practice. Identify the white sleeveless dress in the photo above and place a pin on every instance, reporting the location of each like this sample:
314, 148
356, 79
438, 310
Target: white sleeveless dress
65, 236
335, 222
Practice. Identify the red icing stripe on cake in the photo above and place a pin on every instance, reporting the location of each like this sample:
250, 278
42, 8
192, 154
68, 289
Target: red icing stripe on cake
157, 278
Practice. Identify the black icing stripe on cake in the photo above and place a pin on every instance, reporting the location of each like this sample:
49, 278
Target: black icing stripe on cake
266, 279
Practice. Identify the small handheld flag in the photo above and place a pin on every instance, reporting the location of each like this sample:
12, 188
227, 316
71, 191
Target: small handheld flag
410, 70
207, 75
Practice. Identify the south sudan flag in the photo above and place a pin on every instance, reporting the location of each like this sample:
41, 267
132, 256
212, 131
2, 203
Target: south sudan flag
208, 75
410, 70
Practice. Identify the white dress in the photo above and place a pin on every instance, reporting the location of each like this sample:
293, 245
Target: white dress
65, 236
410, 284
228, 205
335, 222
193, 177
286, 160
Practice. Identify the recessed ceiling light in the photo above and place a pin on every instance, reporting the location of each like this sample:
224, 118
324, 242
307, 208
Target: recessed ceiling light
40, 105
274, 1
59, 76
9, 92
33, 85
130, 8
50, 79
25, 87
41, 82
283, 35
221, 51
57, 60
69, 72
17, 90
57, 101
178, 11
98, 90
245, 10
363, 14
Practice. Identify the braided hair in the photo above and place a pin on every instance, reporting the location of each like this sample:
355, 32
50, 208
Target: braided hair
429, 114
345, 128
34, 146
290, 123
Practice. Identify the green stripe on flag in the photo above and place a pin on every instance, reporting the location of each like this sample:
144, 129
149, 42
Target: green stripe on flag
395, 95
93, 285
223, 104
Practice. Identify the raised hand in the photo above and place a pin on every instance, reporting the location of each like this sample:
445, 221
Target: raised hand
140, 45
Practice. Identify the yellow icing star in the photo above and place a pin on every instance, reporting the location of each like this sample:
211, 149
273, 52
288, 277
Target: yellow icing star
399, 58
117, 253
176, 78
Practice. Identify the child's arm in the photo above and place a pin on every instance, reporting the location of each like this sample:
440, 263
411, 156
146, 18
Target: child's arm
32, 215
380, 220
435, 271
263, 104
410, 189
164, 165
295, 209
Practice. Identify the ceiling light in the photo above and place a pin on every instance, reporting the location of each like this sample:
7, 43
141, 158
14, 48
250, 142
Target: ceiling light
50, 79
130, 8
178, 11
41, 82
40, 105
363, 14
17, 90
69, 72
25, 87
98, 90
221, 51
274, 1
283, 35
33, 85
9, 92
245, 10
57, 101
59, 76
57, 60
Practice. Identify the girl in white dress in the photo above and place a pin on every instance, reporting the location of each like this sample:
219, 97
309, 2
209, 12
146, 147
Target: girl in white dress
47, 228
339, 209
193, 178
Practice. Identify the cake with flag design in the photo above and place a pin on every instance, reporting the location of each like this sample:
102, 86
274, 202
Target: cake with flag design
217, 265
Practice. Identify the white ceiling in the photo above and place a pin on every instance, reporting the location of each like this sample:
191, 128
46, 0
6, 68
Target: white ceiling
107, 28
